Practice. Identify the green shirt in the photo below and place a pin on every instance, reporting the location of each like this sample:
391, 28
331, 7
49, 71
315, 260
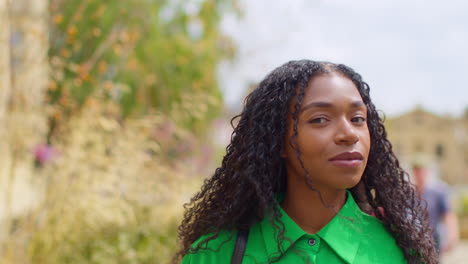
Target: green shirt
352, 236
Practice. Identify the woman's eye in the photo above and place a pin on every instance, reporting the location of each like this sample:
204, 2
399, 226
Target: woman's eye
318, 120
358, 119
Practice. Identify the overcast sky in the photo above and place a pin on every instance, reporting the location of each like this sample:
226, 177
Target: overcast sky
409, 51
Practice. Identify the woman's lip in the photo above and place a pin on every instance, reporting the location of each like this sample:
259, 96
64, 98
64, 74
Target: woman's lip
353, 163
350, 155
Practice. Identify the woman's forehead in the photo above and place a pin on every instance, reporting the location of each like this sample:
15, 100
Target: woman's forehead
329, 88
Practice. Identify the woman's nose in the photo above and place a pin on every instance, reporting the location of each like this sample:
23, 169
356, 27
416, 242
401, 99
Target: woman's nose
346, 133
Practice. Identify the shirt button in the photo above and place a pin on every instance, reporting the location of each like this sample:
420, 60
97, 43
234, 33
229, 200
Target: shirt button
312, 242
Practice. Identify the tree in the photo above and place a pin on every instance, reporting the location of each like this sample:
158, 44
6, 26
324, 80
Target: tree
146, 55
143, 56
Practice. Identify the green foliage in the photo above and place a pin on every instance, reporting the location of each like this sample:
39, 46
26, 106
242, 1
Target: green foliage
144, 243
132, 87
115, 193
145, 55
463, 205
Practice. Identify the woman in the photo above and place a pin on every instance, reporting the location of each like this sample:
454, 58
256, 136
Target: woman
309, 177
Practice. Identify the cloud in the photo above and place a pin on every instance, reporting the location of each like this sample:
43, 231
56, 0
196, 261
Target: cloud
411, 52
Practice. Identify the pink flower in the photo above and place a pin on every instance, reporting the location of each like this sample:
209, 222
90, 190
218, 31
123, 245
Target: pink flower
44, 153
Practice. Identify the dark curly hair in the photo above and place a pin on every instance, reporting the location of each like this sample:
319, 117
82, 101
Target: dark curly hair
253, 171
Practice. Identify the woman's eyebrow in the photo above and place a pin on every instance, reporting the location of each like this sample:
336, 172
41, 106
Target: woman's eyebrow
320, 104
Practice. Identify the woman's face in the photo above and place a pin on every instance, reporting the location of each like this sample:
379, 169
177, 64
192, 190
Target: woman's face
333, 137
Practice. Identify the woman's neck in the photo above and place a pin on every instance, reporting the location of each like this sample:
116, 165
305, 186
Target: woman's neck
310, 211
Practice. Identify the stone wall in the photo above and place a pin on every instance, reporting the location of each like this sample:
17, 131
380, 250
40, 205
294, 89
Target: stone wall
23, 80
441, 140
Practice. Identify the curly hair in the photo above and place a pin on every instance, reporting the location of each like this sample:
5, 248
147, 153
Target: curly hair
242, 190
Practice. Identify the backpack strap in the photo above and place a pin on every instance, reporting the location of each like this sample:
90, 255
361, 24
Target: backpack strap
239, 249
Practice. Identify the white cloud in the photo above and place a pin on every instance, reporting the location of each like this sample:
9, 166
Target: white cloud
410, 52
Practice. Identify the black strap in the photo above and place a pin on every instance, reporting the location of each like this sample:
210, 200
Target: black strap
239, 249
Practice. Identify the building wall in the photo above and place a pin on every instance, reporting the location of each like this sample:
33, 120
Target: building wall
440, 140
23, 81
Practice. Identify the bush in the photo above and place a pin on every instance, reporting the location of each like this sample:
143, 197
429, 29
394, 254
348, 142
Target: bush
114, 193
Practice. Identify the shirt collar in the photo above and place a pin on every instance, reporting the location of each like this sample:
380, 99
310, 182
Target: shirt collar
345, 231
342, 233
292, 231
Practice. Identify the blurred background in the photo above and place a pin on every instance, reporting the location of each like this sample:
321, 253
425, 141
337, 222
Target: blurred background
113, 113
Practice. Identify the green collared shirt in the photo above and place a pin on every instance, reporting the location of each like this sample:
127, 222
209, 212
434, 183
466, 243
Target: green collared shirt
350, 237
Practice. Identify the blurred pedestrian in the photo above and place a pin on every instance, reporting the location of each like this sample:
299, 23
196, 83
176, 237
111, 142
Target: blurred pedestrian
443, 219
